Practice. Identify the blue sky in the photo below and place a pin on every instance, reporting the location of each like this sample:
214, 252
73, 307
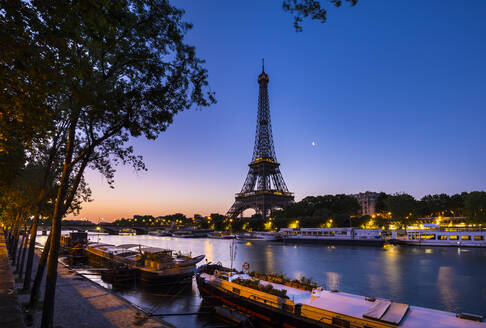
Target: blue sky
393, 93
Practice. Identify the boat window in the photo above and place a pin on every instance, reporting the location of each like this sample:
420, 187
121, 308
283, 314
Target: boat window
326, 233
287, 307
463, 237
344, 233
430, 237
442, 237
478, 237
331, 233
236, 290
453, 237
338, 322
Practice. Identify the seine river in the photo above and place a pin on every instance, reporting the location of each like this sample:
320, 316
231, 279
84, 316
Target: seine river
445, 278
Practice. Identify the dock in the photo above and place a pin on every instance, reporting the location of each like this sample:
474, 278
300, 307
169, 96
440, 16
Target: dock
10, 311
78, 300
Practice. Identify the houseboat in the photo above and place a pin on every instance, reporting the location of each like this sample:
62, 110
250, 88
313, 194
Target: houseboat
259, 236
221, 235
151, 265
73, 245
127, 232
334, 236
159, 233
272, 304
191, 233
74, 240
447, 236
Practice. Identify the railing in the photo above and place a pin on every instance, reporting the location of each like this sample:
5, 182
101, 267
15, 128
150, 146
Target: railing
258, 192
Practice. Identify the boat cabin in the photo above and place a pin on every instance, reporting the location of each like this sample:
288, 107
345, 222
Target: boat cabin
74, 240
157, 258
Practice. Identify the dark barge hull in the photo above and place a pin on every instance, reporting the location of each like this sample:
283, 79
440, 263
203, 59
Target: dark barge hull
262, 315
349, 242
152, 279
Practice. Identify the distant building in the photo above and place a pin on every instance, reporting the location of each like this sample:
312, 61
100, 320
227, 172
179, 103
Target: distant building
367, 201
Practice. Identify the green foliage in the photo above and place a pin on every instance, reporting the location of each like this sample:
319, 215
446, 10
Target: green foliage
309, 8
475, 204
279, 278
380, 206
401, 205
326, 206
317, 211
255, 284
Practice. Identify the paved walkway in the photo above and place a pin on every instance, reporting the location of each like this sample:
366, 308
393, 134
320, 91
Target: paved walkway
10, 313
84, 304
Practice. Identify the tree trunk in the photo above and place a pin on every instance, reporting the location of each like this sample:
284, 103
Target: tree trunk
30, 253
21, 248
24, 251
59, 210
16, 240
38, 209
13, 233
39, 275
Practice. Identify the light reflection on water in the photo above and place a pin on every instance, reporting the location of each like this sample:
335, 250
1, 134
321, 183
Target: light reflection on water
443, 278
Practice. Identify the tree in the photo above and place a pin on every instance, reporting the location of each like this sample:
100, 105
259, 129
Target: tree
475, 204
122, 70
310, 8
401, 206
380, 205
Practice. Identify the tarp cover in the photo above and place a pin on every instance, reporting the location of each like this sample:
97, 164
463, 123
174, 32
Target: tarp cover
377, 310
395, 313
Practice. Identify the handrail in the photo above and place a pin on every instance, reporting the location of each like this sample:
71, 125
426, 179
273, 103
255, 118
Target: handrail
265, 301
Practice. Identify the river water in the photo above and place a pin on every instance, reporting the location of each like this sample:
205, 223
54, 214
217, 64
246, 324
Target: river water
445, 278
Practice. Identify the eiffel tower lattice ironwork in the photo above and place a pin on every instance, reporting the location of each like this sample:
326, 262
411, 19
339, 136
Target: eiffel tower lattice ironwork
264, 188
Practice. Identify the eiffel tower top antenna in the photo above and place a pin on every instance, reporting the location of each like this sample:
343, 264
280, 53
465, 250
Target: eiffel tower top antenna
263, 65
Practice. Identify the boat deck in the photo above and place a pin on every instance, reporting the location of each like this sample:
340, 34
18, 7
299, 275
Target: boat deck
387, 312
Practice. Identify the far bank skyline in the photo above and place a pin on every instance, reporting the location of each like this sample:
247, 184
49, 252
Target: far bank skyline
96, 217
398, 107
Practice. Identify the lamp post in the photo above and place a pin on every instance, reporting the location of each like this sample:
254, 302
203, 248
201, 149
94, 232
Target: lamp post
98, 228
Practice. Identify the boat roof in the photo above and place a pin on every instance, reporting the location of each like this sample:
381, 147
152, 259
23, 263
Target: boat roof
155, 250
128, 245
381, 310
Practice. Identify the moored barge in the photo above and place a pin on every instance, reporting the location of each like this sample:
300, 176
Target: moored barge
446, 236
334, 236
151, 265
276, 305
259, 236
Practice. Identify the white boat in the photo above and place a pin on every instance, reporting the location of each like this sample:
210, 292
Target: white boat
259, 236
160, 233
448, 236
127, 232
221, 235
190, 233
350, 236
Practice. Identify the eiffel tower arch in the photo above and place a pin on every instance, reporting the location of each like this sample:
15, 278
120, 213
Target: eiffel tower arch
264, 188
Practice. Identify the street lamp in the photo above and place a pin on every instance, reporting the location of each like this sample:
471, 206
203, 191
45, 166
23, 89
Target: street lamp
98, 228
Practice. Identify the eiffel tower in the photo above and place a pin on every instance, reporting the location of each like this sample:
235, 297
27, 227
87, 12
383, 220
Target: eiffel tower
264, 188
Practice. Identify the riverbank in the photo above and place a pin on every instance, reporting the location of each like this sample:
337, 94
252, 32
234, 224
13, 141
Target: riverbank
83, 303
10, 311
